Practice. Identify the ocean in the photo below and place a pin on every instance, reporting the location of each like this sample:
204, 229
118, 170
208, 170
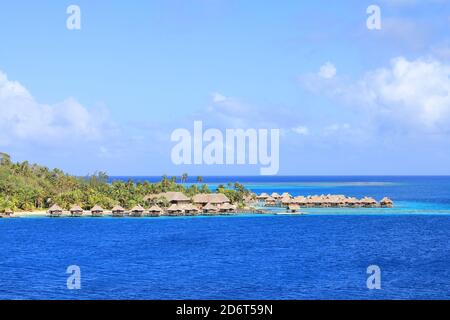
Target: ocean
323, 254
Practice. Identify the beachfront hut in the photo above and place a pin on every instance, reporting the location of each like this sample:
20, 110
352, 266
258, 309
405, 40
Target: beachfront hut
97, 211
55, 211
154, 211
210, 209
118, 211
294, 208
386, 203
7, 213
137, 211
175, 210
76, 211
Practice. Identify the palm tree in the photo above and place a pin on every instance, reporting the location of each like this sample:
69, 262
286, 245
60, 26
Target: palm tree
199, 179
184, 177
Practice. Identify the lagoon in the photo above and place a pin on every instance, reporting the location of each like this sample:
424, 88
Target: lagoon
321, 255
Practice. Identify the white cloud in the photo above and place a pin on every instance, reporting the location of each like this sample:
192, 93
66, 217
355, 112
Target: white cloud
301, 130
409, 94
327, 71
23, 119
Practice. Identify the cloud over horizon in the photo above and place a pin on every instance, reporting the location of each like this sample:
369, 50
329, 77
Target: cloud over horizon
24, 120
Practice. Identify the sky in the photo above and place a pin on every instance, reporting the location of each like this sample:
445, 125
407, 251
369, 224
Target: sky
347, 100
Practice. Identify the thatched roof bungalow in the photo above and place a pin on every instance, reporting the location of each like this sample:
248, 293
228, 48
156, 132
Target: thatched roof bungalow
154, 211
118, 211
386, 203
270, 202
203, 199
210, 208
97, 211
190, 210
171, 197
286, 195
262, 196
76, 211
294, 208
285, 201
137, 211
175, 210
369, 202
275, 195
55, 211
227, 208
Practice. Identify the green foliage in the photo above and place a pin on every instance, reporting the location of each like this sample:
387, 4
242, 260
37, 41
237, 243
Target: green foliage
25, 186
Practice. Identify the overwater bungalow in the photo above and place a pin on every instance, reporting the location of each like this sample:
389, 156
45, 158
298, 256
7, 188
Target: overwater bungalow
263, 196
294, 208
369, 202
97, 211
286, 195
210, 209
175, 210
276, 196
386, 203
55, 211
76, 211
154, 211
190, 210
227, 208
137, 211
118, 211
270, 202
285, 201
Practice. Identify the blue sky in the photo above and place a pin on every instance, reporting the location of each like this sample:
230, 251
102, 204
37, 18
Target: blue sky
347, 100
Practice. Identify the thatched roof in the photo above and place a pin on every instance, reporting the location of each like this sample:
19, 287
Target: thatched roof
175, 208
215, 198
118, 208
190, 207
210, 207
386, 200
294, 207
286, 194
55, 208
228, 206
155, 209
170, 196
137, 208
263, 196
76, 209
275, 195
97, 208
270, 199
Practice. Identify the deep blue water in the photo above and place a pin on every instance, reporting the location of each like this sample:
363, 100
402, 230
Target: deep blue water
321, 255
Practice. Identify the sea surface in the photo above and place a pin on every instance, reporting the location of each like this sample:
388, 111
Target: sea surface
323, 254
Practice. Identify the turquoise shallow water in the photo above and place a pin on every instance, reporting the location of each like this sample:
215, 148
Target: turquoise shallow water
321, 255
